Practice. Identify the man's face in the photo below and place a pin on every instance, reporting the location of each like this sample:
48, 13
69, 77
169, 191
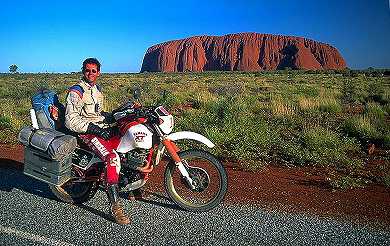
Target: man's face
91, 73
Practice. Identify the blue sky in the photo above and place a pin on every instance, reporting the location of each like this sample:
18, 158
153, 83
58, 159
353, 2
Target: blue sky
56, 36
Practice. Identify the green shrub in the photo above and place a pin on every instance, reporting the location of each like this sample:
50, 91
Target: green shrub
386, 180
308, 90
347, 182
291, 152
386, 140
5, 122
327, 148
361, 128
376, 92
386, 108
374, 112
330, 105
353, 92
243, 138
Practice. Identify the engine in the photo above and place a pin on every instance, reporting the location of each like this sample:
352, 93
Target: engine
131, 178
135, 158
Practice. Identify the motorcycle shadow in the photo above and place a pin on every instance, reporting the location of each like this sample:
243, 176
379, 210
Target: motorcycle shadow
95, 211
12, 177
153, 198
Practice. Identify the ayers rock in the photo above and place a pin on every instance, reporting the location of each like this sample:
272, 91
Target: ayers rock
242, 52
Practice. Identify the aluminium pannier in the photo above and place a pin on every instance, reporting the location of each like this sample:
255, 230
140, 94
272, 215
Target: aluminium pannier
47, 154
40, 166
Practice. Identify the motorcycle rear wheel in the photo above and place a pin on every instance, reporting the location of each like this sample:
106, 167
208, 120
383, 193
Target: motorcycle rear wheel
75, 192
209, 179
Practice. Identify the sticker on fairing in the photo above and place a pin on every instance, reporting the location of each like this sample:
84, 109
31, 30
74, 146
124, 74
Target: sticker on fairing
139, 136
99, 146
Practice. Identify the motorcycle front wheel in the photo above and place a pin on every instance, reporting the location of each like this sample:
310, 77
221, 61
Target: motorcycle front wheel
209, 181
75, 192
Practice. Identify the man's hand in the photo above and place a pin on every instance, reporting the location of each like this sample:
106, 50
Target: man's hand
98, 131
108, 117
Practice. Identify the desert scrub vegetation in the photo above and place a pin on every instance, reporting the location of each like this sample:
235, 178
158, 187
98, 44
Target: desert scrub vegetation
327, 119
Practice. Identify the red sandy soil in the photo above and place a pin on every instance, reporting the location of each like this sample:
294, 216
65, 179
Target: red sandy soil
287, 189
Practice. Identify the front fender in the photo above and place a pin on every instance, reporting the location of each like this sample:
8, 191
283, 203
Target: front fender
190, 135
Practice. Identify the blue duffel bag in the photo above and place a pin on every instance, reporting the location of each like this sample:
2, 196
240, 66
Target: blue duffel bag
46, 106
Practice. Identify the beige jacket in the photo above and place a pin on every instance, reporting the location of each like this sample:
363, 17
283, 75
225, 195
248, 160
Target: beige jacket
84, 104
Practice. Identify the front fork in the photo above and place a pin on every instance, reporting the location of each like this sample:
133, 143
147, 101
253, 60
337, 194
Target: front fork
172, 150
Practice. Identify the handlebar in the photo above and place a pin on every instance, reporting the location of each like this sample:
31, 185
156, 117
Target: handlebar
147, 112
138, 112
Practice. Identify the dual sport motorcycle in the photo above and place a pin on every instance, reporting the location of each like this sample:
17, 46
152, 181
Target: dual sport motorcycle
194, 179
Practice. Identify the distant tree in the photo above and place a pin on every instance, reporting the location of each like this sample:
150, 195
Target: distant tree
346, 72
353, 73
13, 68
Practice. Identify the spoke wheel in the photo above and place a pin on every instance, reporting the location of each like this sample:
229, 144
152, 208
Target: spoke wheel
209, 181
75, 192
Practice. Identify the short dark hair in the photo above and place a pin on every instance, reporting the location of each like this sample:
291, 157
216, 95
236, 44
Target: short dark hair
91, 61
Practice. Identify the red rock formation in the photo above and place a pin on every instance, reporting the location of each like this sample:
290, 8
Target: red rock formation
243, 52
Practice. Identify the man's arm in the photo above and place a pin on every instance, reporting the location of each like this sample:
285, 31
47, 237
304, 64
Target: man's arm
108, 117
73, 118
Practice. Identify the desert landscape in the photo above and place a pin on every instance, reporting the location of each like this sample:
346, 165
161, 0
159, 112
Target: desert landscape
333, 119
295, 97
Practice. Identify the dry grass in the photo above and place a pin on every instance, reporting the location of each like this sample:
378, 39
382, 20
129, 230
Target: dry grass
308, 104
279, 108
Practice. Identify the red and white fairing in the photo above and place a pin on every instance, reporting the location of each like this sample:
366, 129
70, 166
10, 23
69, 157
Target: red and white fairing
137, 136
166, 120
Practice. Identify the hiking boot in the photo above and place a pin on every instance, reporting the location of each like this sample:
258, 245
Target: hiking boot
117, 211
118, 214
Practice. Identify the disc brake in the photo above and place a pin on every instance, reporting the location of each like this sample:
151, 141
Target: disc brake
199, 178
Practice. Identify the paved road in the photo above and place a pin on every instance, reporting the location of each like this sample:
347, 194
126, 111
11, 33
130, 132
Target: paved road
32, 216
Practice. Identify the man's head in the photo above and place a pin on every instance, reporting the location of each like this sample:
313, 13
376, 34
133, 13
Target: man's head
91, 70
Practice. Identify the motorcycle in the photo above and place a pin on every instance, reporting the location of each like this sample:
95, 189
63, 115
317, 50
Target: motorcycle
194, 179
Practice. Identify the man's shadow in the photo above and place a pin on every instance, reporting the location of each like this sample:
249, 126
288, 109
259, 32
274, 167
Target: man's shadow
153, 198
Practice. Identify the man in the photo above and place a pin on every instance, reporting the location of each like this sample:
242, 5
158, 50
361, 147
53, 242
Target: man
84, 115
